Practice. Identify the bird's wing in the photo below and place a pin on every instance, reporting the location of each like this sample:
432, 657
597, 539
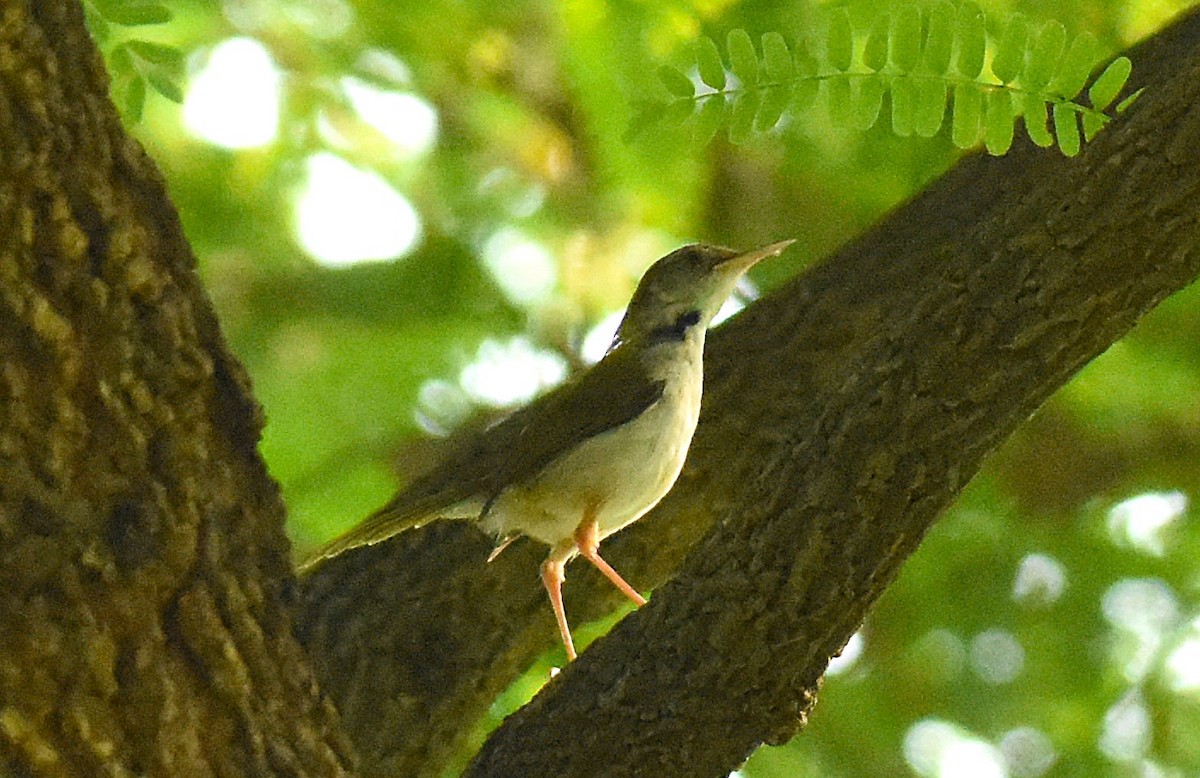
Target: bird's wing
512, 451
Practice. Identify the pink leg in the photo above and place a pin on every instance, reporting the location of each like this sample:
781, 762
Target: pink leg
552, 578
587, 540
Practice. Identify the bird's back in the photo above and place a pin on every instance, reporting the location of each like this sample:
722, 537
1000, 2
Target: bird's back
513, 451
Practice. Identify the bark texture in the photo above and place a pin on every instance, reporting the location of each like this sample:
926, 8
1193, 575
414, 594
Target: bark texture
842, 414
145, 626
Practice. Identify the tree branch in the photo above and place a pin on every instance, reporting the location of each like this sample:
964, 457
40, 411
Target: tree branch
842, 414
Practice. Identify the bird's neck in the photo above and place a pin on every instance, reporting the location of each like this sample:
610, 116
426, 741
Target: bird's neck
673, 350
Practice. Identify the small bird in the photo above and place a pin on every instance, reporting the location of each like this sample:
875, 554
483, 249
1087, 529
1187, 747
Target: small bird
595, 454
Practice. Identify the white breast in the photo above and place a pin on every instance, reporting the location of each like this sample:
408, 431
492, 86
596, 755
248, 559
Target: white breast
618, 475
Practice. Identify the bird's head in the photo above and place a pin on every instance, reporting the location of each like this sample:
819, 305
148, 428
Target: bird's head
685, 289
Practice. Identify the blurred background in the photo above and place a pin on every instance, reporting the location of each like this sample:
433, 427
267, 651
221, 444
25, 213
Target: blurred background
409, 213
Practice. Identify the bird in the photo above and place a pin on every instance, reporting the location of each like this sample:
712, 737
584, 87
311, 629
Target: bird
596, 453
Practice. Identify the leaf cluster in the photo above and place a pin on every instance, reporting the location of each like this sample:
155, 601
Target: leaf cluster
133, 63
924, 59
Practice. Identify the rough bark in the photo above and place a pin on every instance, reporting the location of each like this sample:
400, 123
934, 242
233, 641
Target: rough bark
145, 626
842, 414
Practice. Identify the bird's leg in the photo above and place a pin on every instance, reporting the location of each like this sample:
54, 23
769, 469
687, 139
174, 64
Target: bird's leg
587, 539
553, 576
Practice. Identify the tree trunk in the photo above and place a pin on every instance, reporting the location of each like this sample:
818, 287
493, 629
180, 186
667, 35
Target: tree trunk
145, 592
145, 622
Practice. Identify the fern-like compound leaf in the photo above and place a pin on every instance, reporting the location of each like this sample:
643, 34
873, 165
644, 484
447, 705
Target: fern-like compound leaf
777, 60
1044, 56
914, 54
1109, 84
708, 62
676, 82
1010, 52
743, 60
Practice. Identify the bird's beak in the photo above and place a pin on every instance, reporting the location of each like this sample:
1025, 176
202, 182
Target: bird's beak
740, 263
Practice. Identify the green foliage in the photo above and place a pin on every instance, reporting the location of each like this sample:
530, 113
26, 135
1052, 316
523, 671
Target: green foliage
134, 63
918, 57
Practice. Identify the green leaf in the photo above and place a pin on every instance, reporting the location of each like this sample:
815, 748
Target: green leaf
903, 106
837, 101
1128, 101
998, 127
775, 100
708, 62
133, 101
647, 113
742, 59
156, 53
1077, 66
807, 65
741, 120
905, 39
678, 112
805, 95
1066, 127
708, 119
1092, 123
777, 60
120, 62
839, 41
1010, 52
875, 51
96, 24
164, 85
676, 82
930, 107
939, 37
1109, 84
866, 99
1035, 121
968, 115
972, 40
134, 14
1045, 56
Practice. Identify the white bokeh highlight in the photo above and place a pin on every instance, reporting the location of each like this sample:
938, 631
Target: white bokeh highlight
345, 215
233, 101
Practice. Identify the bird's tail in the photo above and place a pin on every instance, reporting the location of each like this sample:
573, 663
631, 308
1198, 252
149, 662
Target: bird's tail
391, 519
